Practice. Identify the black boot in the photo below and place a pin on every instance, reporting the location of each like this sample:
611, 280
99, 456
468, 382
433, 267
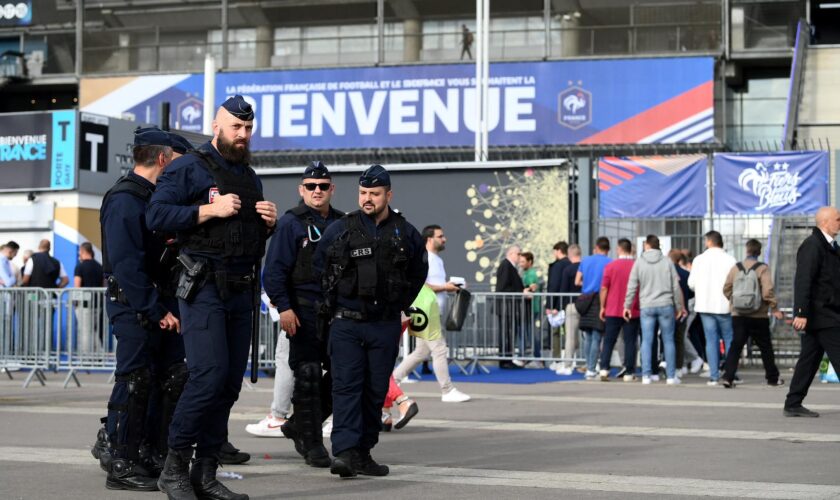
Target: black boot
125, 474
367, 466
230, 455
100, 449
290, 430
205, 484
342, 464
175, 478
151, 460
317, 456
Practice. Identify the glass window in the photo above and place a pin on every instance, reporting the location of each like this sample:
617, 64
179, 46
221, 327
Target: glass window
287, 41
320, 40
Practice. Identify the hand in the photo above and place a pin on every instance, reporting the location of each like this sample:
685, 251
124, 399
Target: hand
289, 321
532, 287
779, 315
551, 311
170, 322
603, 314
799, 324
681, 314
226, 206
268, 211
627, 314
451, 287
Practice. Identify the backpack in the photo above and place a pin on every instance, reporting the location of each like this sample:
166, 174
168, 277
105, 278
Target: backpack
746, 290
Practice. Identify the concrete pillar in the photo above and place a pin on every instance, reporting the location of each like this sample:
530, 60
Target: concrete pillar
413, 39
738, 30
123, 55
264, 49
570, 37
585, 204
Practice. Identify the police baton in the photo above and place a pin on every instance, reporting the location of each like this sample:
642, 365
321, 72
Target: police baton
255, 323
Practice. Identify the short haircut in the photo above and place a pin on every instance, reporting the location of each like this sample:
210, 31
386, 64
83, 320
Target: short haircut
87, 247
625, 245
753, 248
574, 250
528, 256
715, 238
13, 245
603, 243
562, 246
429, 231
146, 156
653, 241
676, 256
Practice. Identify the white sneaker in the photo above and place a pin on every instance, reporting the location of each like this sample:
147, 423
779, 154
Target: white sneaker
655, 378
326, 431
712, 383
554, 366
535, 365
519, 363
454, 396
267, 427
705, 374
629, 378
673, 381
590, 375
564, 370
696, 365
605, 375
683, 371
645, 380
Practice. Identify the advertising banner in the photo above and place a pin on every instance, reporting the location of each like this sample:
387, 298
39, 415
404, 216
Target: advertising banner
656, 186
531, 103
784, 183
38, 151
16, 13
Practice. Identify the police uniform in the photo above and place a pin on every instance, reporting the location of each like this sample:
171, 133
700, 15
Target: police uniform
290, 283
150, 369
216, 319
370, 273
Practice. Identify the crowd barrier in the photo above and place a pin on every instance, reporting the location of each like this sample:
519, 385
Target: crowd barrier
67, 330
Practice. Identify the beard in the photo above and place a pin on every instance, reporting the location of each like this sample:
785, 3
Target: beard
236, 152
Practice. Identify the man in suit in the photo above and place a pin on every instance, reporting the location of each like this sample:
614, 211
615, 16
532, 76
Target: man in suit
816, 307
508, 307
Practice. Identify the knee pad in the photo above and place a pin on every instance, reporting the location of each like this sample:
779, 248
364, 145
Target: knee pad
131, 416
308, 377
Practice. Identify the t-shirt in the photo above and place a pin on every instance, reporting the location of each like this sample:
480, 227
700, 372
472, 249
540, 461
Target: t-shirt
616, 276
592, 268
437, 276
426, 302
567, 284
90, 271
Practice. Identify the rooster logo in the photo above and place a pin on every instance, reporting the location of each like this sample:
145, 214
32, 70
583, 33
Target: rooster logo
190, 113
575, 102
574, 108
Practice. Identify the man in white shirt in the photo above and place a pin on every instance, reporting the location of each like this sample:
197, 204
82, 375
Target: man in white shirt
436, 279
708, 274
7, 270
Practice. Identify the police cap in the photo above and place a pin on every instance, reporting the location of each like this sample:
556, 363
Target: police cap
151, 136
375, 176
316, 170
179, 144
239, 107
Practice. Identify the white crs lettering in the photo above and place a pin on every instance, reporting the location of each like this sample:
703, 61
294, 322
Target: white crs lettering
361, 252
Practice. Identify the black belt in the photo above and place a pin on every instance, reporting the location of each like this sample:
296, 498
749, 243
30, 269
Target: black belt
350, 314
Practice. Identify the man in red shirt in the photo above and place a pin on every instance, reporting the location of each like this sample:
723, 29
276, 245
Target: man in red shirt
613, 290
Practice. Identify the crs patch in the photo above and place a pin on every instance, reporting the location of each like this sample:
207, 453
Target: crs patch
361, 252
212, 194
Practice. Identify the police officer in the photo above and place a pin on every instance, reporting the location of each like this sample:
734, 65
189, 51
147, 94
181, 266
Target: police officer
213, 201
142, 309
373, 264
291, 285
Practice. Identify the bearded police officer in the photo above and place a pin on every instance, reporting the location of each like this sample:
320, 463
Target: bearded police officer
143, 311
213, 201
291, 285
373, 264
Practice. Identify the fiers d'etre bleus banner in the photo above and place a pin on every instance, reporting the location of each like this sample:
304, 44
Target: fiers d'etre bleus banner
656, 186
530, 103
784, 183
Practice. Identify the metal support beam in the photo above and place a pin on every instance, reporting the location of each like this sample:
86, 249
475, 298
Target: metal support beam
380, 31
585, 204
547, 27
224, 64
80, 25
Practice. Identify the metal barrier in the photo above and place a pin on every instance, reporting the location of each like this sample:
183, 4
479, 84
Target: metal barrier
26, 328
84, 340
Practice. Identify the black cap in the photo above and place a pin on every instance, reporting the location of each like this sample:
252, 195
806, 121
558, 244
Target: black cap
151, 136
316, 170
375, 176
179, 144
238, 107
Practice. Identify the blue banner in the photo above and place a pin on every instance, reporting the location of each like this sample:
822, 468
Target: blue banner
784, 183
637, 186
63, 157
531, 103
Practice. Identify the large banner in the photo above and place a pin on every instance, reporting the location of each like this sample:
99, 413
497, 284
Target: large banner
38, 151
784, 183
657, 186
531, 103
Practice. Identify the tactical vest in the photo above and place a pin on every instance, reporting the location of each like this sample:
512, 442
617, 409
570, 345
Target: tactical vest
302, 272
45, 271
242, 235
369, 268
129, 185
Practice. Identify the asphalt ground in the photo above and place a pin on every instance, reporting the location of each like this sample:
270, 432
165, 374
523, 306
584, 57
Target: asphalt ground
551, 440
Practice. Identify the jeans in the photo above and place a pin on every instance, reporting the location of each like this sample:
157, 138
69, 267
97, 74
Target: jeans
664, 315
716, 327
592, 348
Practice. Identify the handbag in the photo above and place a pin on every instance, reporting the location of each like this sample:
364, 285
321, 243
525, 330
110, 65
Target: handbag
458, 312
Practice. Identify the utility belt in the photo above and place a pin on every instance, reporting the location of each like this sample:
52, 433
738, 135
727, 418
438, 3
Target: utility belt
197, 273
350, 314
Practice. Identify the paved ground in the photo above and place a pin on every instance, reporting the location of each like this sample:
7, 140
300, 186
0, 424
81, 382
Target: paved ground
558, 440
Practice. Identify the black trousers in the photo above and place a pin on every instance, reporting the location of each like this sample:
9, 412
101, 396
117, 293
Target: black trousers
757, 329
814, 343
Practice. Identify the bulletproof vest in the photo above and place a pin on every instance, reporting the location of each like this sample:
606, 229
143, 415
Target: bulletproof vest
242, 235
367, 267
302, 271
45, 271
129, 185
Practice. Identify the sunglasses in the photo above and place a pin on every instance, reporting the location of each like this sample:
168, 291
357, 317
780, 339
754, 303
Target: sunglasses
310, 186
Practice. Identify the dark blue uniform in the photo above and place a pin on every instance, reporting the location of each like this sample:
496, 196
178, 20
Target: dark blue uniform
146, 355
363, 351
216, 332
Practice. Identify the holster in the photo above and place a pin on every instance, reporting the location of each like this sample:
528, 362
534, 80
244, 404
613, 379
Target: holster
323, 319
190, 282
115, 293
